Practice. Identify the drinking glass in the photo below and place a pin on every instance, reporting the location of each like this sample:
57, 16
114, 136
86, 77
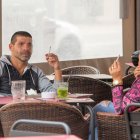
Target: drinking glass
18, 90
62, 90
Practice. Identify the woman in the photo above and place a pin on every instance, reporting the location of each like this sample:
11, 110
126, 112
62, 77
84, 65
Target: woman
120, 100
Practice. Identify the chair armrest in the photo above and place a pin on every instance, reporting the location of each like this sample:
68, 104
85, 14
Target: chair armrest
15, 132
108, 114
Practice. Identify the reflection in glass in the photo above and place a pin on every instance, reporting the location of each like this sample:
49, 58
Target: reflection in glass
76, 29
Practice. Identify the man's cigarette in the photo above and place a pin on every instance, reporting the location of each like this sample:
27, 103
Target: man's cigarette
50, 49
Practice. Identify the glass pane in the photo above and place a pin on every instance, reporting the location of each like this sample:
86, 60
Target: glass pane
75, 29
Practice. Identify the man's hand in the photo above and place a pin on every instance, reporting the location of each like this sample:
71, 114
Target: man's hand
53, 61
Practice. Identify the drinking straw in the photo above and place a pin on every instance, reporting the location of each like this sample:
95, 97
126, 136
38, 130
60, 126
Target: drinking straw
69, 76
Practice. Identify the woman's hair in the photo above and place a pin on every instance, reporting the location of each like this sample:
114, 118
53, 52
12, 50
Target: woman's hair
19, 33
135, 57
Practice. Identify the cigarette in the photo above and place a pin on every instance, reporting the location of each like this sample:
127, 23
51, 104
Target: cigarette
49, 49
118, 58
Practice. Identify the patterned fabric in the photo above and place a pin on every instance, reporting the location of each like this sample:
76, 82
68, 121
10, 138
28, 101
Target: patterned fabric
121, 100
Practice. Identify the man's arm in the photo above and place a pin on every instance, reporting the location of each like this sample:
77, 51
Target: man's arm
54, 62
58, 74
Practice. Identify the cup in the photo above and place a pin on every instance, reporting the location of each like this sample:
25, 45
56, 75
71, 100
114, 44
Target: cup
18, 90
48, 95
62, 90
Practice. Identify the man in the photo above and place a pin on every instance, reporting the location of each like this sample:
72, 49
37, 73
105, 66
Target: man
16, 66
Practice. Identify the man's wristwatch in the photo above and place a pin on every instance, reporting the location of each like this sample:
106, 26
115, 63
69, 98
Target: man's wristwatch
117, 82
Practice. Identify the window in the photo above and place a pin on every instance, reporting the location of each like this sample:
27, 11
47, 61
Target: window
75, 29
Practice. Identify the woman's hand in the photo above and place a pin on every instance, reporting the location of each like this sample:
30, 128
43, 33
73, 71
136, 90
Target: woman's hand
115, 71
137, 71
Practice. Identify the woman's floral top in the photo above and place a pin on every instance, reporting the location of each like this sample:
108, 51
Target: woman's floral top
121, 100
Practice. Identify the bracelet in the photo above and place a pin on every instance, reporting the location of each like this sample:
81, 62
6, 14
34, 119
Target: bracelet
116, 82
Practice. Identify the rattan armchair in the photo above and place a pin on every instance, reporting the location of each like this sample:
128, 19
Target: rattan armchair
1, 131
133, 122
14, 132
100, 89
81, 69
129, 70
49, 111
110, 125
128, 80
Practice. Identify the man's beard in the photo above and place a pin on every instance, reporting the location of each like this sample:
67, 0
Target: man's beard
24, 58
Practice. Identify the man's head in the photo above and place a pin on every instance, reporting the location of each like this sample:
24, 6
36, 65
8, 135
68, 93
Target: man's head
19, 33
21, 46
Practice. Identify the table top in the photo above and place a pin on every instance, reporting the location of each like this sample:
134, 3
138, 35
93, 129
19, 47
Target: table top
5, 100
8, 99
60, 137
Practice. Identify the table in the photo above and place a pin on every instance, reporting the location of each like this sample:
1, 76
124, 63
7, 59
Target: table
73, 101
103, 77
60, 137
5, 100
8, 99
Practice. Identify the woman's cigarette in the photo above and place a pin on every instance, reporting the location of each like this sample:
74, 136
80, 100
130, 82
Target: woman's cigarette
118, 58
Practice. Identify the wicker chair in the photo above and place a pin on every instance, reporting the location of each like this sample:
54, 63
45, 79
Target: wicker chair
100, 90
110, 125
14, 132
50, 111
1, 131
129, 70
80, 70
128, 80
133, 122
